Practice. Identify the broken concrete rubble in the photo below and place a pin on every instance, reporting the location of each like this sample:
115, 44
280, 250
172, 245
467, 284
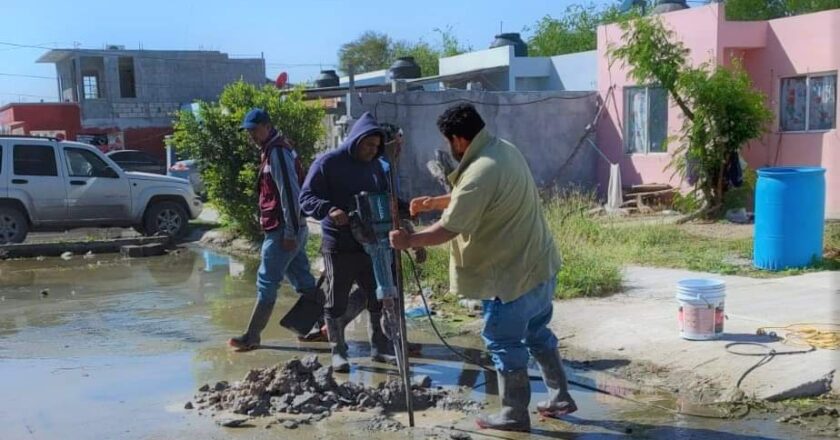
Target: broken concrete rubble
304, 386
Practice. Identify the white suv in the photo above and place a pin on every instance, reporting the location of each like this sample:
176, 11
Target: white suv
48, 184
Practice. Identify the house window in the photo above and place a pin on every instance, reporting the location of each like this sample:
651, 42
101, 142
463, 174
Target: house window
90, 81
808, 103
127, 85
646, 116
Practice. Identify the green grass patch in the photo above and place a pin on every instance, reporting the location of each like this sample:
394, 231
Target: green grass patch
594, 250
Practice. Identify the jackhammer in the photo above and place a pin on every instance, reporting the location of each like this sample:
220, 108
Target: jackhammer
371, 222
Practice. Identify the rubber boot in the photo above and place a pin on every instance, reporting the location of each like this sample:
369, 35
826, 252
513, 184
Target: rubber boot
515, 392
335, 332
259, 319
381, 349
356, 303
560, 402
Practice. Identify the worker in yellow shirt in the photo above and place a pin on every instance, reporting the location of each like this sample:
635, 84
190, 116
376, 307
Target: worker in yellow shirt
502, 253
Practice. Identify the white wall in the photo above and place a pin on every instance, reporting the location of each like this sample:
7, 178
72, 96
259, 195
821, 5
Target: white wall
481, 59
575, 71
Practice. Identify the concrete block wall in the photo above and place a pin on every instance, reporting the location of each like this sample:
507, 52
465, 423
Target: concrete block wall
545, 126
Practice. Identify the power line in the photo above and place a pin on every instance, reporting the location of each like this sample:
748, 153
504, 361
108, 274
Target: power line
23, 75
25, 94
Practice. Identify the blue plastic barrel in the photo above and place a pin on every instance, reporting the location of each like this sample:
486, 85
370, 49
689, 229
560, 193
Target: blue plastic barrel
789, 217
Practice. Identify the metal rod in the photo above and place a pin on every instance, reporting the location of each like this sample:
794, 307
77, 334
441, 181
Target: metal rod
402, 352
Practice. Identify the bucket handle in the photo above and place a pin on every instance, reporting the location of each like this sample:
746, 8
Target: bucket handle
700, 298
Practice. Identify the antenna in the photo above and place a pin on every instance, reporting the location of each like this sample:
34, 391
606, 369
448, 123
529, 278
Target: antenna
501, 27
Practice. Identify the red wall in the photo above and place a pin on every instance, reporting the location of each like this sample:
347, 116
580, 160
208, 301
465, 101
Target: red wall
149, 140
44, 116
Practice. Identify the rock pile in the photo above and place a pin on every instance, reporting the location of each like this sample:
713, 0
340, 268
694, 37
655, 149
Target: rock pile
304, 386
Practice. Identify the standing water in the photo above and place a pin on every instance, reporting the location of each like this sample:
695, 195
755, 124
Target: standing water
113, 349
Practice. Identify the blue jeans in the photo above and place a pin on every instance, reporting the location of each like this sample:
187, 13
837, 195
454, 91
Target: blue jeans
513, 330
278, 262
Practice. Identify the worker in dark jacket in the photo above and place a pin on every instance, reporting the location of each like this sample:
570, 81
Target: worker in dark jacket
334, 179
284, 246
358, 298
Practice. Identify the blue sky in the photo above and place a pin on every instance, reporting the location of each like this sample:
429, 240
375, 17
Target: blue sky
288, 33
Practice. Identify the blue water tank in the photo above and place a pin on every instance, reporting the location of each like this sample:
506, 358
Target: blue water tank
789, 217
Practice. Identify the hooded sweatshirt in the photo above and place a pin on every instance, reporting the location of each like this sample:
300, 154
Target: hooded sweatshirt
335, 178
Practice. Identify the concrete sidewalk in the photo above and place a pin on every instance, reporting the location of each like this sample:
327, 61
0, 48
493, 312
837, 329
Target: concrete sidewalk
640, 324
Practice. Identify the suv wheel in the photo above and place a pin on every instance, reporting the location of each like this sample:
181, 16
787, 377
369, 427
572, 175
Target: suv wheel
13, 225
166, 218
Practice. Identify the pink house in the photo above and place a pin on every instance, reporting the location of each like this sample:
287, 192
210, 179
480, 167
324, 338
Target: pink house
794, 61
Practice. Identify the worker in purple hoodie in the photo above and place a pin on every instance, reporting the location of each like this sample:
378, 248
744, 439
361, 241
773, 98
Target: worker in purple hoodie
328, 196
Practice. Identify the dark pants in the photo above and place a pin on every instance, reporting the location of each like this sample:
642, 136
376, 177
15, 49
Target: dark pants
342, 270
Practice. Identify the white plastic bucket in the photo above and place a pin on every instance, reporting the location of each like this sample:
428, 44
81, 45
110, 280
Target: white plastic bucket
701, 308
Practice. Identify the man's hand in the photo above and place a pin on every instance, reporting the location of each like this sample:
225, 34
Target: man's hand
339, 217
400, 239
426, 204
419, 204
289, 244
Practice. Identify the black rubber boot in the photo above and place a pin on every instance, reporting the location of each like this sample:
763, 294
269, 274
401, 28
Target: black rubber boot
515, 392
381, 349
356, 303
560, 402
335, 332
259, 319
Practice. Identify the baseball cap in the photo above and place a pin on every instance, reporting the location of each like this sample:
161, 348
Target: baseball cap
254, 117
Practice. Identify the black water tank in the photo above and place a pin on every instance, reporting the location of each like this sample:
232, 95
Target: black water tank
405, 68
511, 39
663, 6
327, 78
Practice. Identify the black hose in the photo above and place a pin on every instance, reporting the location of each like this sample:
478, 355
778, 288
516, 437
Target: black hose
416, 274
766, 357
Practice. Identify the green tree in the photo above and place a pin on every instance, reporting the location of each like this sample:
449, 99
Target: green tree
370, 51
575, 31
229, 158
722, 111
746, 10
449, 43
375, 51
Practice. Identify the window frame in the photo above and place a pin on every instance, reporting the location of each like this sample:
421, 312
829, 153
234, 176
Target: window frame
82, 152
94, 75
626, 117
54, 160
807, 77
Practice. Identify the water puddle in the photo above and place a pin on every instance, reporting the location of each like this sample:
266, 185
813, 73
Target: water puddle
110, 348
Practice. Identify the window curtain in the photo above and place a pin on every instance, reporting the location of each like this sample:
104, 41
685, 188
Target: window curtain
822, 111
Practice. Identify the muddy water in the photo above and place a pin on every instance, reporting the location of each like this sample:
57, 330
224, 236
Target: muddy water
111, 349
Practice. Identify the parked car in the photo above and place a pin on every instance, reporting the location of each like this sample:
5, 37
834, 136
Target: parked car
190, 170
133, 160
49, 184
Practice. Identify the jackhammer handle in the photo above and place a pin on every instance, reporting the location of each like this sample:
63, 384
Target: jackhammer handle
426, 204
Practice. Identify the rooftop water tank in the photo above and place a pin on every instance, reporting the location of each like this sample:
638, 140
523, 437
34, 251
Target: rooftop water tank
327, 78
663, 6
405, 68
511, 39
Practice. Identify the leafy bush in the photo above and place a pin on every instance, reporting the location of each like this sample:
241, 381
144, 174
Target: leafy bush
229, 159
